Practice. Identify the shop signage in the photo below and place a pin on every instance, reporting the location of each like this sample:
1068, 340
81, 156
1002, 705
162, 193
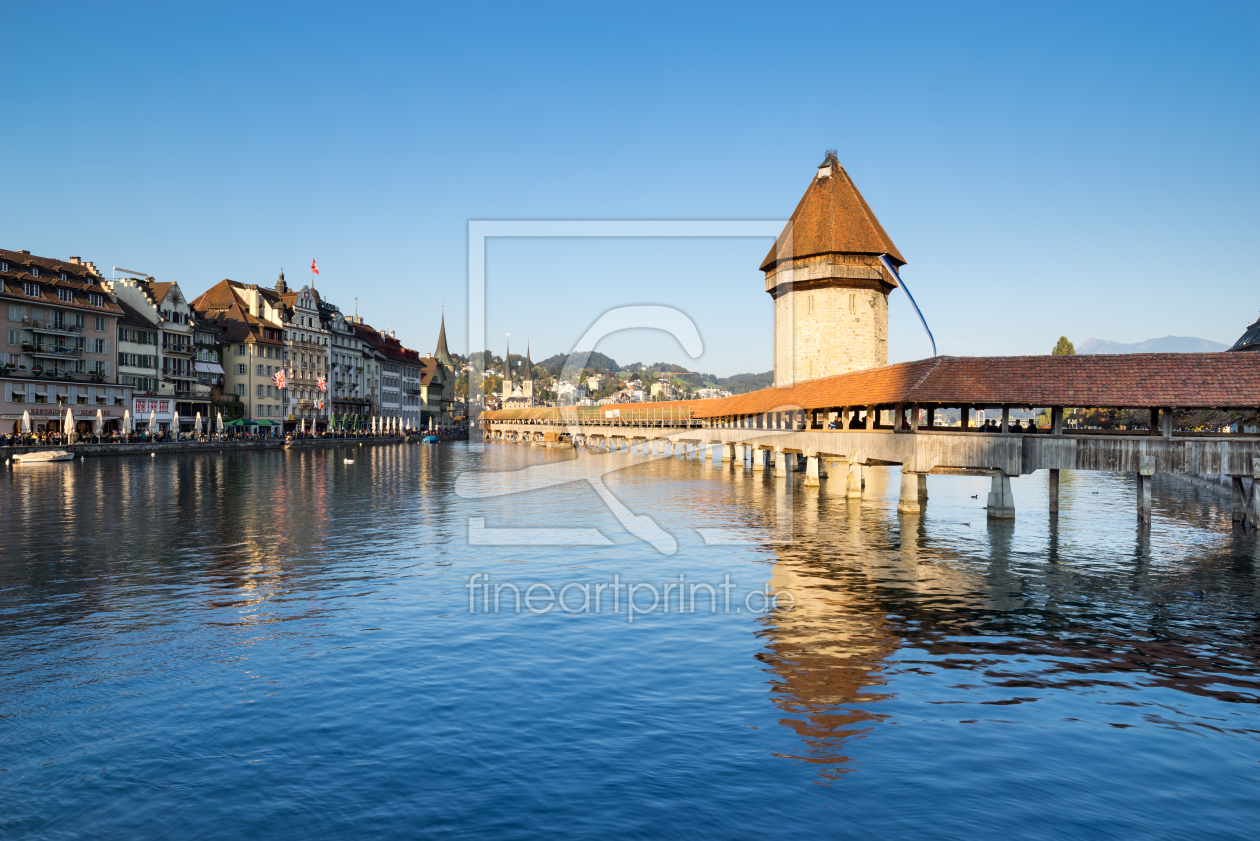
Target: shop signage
163, 406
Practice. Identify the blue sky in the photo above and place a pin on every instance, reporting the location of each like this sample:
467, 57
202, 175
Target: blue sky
1081, 169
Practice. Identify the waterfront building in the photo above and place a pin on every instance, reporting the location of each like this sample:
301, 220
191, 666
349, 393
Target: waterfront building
251, 324
307, 358
401, 374
437, 383
829, 287
163, 304
138, 367
372, 348
211, 377
59, 329
351, 404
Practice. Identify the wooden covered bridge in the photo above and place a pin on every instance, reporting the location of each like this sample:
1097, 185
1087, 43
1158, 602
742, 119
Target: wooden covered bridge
873, 417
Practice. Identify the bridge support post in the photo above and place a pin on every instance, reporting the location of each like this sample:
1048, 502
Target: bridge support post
811, 472
728, 453
1240, 501
780, 463
822, 468
922, 486
909, 501
853, 488
758, 459
1001, 504
1254, 508
1054, 490
1146, 472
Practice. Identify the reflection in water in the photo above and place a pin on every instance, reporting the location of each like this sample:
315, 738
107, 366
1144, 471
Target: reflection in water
287, 633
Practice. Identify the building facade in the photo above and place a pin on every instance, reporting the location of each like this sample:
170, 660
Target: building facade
351, 403
59, 332
250, 321
829, 287
309, 391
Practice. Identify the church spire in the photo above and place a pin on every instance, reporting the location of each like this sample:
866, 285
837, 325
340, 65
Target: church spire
529, 366
442, 354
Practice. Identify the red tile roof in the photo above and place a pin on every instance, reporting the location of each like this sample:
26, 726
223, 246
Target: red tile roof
80, 281
832, 218
1137, 380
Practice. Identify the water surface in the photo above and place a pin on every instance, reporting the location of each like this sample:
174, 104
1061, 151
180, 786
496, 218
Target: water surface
280, 645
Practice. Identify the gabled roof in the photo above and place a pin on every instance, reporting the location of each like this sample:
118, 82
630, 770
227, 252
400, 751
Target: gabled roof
133, 317
832, 218
80, 281
223, 304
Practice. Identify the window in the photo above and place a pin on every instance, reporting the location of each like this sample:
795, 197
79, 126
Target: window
260, 390
80, 320
30, 290
17, 312
100, 346
242, 370
100, 324
240, 350
34, 271
260, 371
240, 389
96, 300
4, 267
66, 295
15, 337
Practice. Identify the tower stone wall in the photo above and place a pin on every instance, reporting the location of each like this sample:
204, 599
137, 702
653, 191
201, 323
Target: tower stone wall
829, 286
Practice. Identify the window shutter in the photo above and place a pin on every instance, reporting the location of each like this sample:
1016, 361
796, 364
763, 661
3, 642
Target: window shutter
107, 345
8, 392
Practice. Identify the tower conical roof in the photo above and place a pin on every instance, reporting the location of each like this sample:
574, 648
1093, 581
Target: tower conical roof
529, 366
442, 354
832, 218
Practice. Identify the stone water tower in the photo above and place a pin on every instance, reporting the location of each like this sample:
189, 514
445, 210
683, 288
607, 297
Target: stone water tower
830, 290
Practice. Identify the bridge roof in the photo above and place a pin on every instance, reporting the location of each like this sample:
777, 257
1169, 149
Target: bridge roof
1180, 380
832, 218
1135, 380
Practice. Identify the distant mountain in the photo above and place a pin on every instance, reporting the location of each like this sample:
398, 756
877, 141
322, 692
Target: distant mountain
1168, 344
553, 365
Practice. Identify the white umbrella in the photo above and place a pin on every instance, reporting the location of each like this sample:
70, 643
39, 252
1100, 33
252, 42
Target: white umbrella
69, 424
175, 425
126, 420
26, 422
219, 423
302, 428
197, 425
100, 422
152, 421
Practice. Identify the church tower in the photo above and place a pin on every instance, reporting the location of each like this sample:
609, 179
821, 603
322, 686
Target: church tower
527, 380
830, 290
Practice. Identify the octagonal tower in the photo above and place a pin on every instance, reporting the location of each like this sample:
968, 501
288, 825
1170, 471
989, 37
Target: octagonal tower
830, 290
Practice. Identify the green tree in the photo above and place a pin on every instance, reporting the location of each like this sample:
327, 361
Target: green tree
1064, 348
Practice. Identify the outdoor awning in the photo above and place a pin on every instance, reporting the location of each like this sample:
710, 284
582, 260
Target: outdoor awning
208, 367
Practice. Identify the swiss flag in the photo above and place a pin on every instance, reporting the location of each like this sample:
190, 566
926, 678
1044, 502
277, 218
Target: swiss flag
313, 269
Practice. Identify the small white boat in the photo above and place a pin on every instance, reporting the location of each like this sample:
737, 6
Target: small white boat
44, 455
349, 461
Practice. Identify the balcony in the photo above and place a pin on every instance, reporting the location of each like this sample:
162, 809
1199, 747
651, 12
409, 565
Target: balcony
183, 349
44, 325
52, 351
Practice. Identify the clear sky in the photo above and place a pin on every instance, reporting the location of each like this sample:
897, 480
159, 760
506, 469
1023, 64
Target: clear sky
1051, 168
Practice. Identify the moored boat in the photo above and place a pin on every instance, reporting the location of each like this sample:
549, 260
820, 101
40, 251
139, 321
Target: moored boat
44, 455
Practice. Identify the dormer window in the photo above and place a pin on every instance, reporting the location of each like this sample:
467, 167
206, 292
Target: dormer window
31, 290
34, 271
62, 275
65, 295
96, 300
4, 267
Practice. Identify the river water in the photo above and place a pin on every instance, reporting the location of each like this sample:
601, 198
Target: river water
282, 645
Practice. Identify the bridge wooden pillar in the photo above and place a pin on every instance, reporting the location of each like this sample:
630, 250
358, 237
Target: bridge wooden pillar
908, 503
1146, 472
1006, 420
870, 417
853, 483
1054, 490
1240, 513
1166, 422
1000, 504
931, 417
899, 415
964, 415
1254, 508
1056, 421
811, 472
